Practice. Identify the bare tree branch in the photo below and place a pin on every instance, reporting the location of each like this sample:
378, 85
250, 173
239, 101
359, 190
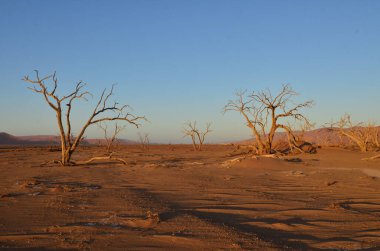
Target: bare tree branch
144, 141
191, 130
110, 139
263, 113
64, 103
362, 135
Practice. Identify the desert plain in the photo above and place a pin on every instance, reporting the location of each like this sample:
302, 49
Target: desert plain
173, 198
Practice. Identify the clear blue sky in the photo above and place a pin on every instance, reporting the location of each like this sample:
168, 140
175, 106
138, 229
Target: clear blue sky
176, 61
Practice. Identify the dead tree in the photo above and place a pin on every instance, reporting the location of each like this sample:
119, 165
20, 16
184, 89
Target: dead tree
359, 134
265, 113
62, 106
202, 135
296, 138
197, 137
374, 131
110, 140
144, 141
188, 130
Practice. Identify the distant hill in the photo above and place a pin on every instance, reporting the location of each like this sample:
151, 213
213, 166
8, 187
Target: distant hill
8, 139
102, 141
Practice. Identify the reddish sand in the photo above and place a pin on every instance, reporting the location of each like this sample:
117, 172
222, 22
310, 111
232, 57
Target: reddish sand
174, 198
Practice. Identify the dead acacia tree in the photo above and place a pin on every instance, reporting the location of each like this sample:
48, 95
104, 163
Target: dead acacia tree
363, 135
189, 131
197, 137
144, 141
265, 113
374, 131
62, 106
359, 134
296, 138
111, 139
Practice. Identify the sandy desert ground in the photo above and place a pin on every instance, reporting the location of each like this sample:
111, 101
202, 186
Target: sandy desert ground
172, 198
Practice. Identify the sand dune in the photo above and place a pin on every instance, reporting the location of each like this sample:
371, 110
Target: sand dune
174, 198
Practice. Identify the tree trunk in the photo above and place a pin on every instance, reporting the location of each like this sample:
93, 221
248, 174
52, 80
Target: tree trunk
260, 144
194, 144
268, 147
66, 158
260, 148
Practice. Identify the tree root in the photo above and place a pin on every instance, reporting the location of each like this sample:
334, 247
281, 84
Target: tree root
272, 156
373, 157
230, 162
51, 162
74, 163
100, 158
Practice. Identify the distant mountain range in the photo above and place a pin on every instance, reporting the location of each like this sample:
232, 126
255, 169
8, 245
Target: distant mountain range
321, 136
8, 139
